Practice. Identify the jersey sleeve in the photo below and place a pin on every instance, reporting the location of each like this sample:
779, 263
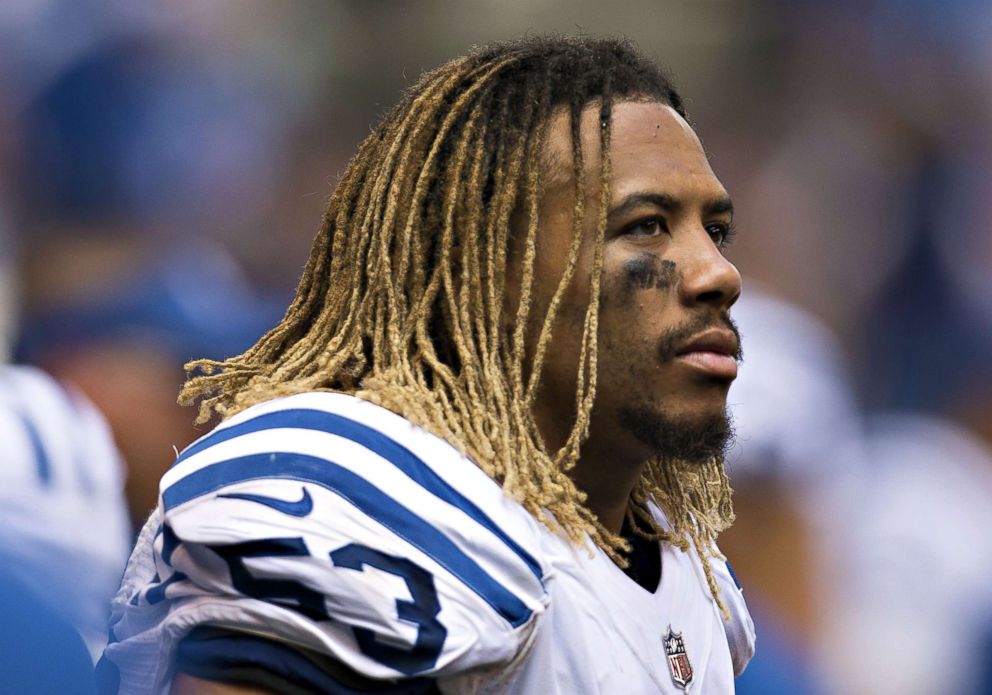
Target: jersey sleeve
329, 523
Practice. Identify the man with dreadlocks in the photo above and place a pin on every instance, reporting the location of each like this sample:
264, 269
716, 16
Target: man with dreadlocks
483, 451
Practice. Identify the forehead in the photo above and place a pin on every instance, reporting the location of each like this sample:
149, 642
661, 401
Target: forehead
652, 148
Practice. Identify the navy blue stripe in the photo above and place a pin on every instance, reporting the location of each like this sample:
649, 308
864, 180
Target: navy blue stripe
156, 594
367, 498
42, 463
225, 657
374, 441
733, 575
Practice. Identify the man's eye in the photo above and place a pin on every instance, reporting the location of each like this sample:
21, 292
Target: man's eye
721, 234
649, 227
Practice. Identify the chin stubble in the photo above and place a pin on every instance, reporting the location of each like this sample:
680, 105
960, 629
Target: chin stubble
693, 440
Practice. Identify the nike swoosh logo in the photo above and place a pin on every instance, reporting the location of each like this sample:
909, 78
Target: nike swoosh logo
300, 508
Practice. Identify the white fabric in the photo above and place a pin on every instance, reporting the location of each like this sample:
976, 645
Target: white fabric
536, 615
603, 632
64, 529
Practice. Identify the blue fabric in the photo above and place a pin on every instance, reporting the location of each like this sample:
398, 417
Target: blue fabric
733, 575
156, 594
38, 449
213, 655
39, 652
108, 677
777, 666
376, 442
299, 508
367, 498
984, 684
188, 304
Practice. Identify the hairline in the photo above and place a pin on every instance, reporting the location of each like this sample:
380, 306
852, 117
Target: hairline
552, 168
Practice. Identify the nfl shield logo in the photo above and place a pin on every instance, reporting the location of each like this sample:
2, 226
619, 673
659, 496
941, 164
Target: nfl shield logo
678, 660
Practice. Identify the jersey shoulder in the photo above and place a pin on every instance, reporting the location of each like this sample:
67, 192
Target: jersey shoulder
55, 438
741, 636
329, 522
62, 505
368, 466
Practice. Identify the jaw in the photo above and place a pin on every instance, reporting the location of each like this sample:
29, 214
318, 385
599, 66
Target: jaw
695, 436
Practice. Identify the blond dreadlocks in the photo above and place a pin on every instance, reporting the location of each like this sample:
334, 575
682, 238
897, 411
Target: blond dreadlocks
402, 299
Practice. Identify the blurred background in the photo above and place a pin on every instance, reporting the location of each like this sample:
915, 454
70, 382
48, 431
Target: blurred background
164, 165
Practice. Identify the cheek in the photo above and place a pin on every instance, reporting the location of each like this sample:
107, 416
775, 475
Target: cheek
636, 293
639, 288
647, 271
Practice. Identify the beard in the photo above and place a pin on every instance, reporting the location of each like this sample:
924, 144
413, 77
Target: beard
692, 440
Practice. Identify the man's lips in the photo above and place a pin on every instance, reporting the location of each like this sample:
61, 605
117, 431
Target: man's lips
714, 352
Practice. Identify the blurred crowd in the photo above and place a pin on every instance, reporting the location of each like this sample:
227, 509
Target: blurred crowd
163, 166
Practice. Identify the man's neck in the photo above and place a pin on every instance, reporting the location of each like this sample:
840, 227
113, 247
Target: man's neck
608, 477
606, 472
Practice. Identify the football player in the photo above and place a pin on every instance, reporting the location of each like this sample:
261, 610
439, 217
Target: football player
483, 451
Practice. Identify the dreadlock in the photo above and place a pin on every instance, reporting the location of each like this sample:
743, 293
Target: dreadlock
401, 302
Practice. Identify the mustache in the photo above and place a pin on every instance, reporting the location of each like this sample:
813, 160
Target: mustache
672, 340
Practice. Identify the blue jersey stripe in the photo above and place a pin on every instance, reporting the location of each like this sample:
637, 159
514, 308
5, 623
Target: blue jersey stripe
733, 575
44, 466
367, 498
156, 594
223, 656
374, 441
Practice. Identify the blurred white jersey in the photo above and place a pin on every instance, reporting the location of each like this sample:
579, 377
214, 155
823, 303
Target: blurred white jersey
327, 523
64, 529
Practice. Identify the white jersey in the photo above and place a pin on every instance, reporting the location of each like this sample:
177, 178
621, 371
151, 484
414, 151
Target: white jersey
330, 524
64, 529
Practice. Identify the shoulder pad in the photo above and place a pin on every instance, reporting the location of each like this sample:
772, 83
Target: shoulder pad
395, 553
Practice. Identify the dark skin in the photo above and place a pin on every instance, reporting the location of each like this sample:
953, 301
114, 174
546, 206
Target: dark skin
647, 272
663, 269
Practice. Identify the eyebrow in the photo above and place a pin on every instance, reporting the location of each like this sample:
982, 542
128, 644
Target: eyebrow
669, 203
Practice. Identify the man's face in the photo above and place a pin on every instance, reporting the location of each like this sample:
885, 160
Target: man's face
667, 349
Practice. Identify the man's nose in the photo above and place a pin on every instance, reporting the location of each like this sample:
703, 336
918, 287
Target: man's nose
708, 278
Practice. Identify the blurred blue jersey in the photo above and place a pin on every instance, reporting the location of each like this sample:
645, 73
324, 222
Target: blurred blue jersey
64, 529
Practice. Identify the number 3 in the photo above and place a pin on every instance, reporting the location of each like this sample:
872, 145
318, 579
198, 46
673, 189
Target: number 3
422, 610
